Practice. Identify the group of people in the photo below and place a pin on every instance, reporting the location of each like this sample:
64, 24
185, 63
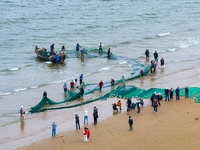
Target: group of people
86, 131
157, 97
117, 106
83, 51
154, 62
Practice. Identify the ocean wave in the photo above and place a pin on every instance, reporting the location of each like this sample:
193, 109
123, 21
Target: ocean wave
171, 49
163, 34
3, 94
106, 68
14, 69
22, 89
34, 87
187, 42
54, 82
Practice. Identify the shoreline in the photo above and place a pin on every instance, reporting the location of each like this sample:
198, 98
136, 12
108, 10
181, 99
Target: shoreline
175, 126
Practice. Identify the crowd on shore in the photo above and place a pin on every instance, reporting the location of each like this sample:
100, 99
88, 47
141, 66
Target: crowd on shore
155, 99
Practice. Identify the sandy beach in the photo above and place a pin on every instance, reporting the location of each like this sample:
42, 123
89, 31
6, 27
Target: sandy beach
175, 126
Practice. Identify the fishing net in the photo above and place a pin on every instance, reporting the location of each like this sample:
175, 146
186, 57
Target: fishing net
121, 91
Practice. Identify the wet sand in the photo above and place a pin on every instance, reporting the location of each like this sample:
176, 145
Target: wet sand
175, 126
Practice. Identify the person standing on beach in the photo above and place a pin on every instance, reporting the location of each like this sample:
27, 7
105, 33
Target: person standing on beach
152, 98
100, 85
81, 91
85, 134
44, 94
166, 94
77, 121
155, 56
177, 93
138, 106
186, 92
147, 54
85, 117
65, 88
171, 93
155, 105
22, 112
141, 74
81, 79
72, 84
128, 104
130, 122
95, 115
54, 129
112, 82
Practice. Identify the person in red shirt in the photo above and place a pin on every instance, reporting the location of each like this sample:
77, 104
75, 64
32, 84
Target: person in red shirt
119, 104
85, 135
72, 84
100, 84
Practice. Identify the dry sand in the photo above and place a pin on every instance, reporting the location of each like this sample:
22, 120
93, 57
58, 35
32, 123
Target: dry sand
175, 126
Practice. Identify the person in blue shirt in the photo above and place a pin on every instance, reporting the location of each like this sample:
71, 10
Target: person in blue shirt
81, 78
177, 93
54, 129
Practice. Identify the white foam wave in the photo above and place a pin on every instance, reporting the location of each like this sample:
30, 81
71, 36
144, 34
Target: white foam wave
163, 34
56, 82
187, 42
171, 49
22, 89
34, 87
13, 69
3, 94
122, 62
106, 68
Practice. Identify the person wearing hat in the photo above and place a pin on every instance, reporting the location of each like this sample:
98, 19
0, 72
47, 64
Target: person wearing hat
77, 121
22, 112
166, 94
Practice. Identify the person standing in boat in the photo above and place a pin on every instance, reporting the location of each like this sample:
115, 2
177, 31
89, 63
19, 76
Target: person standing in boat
77, 47
52, 49
100, 47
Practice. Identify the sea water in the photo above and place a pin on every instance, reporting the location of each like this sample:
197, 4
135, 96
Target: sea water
128, 27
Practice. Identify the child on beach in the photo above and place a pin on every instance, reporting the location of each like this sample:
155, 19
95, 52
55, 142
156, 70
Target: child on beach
54, 129
77, 121
85, 134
